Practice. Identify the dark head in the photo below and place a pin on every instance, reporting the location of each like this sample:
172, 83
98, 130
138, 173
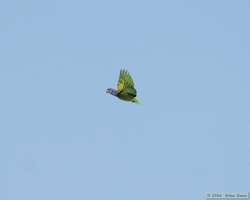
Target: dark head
111, 91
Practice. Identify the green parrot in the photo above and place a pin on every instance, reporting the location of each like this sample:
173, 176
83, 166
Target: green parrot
125, 88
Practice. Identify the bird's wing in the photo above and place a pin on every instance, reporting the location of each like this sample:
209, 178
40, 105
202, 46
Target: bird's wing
125, 81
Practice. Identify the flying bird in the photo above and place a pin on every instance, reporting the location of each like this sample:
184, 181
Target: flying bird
125, 88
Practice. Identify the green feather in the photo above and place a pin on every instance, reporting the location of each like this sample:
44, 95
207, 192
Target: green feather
137, 101
126, 87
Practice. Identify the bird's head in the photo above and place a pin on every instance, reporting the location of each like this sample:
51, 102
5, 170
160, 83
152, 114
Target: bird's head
108, 90
111, 91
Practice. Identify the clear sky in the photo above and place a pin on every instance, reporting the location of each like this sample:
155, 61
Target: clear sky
62, 137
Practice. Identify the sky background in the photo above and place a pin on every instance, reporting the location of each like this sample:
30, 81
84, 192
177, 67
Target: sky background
62, 137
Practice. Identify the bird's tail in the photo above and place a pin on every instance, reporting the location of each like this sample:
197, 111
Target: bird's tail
137, 101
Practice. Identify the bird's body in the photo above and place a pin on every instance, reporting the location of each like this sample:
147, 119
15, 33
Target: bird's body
125, 88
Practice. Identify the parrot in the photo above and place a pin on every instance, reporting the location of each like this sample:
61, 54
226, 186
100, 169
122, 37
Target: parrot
125, 88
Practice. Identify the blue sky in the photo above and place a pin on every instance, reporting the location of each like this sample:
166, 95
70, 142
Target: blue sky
63, 137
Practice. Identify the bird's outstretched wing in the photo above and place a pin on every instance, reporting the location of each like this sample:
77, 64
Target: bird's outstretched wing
125, 81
